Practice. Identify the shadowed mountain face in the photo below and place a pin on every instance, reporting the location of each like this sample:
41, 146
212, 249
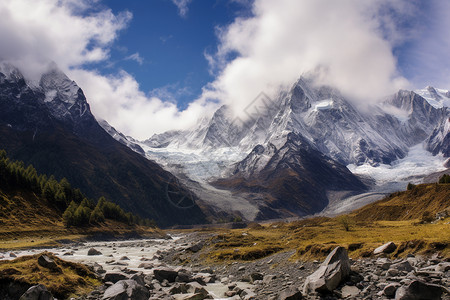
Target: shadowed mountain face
51, 127
295, 181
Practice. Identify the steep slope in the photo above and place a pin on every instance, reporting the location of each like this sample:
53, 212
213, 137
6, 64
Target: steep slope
295, 180
419, 201
51, 127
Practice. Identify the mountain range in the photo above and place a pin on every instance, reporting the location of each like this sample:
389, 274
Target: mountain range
287, 156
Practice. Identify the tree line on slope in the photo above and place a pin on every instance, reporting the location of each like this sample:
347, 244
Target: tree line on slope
78, 210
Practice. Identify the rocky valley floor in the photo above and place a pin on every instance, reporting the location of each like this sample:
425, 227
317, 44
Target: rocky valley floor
178, 269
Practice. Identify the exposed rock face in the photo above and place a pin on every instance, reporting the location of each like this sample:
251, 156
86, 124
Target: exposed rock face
330, 274
37, 292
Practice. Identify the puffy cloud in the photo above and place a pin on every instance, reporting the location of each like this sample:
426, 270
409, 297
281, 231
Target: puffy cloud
35, 32
120, 101
347, 41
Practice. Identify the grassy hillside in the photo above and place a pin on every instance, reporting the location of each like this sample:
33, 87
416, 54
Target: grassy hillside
36, 210
406, 218
420, 201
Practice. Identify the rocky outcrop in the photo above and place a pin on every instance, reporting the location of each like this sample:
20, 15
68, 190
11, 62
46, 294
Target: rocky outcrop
386, 248
126, 289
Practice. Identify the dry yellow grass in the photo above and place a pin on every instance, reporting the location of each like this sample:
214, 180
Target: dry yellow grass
69, 279
397, 218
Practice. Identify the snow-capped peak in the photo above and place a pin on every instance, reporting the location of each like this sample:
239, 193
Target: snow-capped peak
438, 98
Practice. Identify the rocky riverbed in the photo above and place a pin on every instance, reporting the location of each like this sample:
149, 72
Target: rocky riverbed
175, 269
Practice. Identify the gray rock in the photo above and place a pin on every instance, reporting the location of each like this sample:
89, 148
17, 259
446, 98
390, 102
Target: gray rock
115, 277
290, 294
37, 292
196, 288
383, 263
402, 266
183, 277
418, 290
390, 289
47, 262
146, 266
93, 251
386, 248
268, 278
349, 291
126, 290
196, 247
189, 296
332, 271
165, 274
256, 276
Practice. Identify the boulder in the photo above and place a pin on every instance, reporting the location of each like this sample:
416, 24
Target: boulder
196, 288
37, 292
386, 248
47, 262
290, 294
390, 289
93, 251
114, 277
418, 290
126, 289
165, 273
331, 272
256, 276
196, 247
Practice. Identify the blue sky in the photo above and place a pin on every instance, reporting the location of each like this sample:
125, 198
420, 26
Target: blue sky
145, 66
170, 46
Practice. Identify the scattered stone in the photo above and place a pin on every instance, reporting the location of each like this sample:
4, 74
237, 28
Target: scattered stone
196, 247
256, 276
12, 254
402, 266
390, 289
115, 277
47, 262
418, 290
126, 289
290, 294
349, 291
165, 274
386, 248
124, 258
332, 271
37, 292
94, 251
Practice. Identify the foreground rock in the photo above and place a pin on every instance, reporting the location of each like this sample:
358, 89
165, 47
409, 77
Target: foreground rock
37, 292
418, 290
126, 289
330, 274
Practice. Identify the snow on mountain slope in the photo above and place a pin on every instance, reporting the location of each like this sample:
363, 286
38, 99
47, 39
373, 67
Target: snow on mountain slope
382, 143
437, 97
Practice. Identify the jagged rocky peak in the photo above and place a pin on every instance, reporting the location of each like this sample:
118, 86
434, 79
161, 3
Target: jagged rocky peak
10, 72
63, 96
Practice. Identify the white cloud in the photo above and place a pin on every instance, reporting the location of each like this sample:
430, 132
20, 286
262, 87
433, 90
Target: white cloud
136, 57
286, 38
35, 32
182, 6
119, 100
349, 40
